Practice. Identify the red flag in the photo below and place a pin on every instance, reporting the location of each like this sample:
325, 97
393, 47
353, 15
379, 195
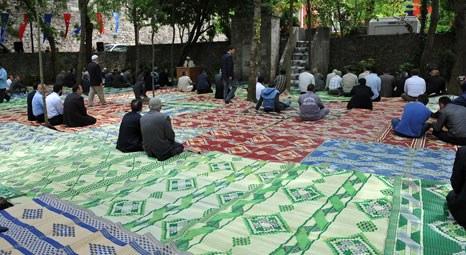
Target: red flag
100, 21
22, 27
67, 18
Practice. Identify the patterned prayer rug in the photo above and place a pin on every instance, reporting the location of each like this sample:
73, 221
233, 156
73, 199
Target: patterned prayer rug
47, 225
226, 204
420, 222
383, 159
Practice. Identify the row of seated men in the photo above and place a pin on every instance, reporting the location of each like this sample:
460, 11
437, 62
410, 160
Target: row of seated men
152, 132
71, 112
450, 126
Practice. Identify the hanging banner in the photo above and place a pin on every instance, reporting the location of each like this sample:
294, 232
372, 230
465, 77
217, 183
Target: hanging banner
67, 18
47, 22
22, 27
100, 22
116, 17
4, 25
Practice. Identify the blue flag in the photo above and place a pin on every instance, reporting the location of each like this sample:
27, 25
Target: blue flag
48, 22
4, 25
116, 16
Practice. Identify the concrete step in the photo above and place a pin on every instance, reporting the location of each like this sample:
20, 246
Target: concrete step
300, 57
302, 44
299, 62
301, 50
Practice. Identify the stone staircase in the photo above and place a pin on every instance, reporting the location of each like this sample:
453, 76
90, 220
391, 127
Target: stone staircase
299, 60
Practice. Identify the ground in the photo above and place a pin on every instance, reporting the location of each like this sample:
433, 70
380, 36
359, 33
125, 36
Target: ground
249, 183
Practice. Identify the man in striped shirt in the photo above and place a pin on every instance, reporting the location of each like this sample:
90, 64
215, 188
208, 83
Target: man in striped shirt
280, 82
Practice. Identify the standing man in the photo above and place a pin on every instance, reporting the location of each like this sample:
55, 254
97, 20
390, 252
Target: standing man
229, 88
95, 75
3, 84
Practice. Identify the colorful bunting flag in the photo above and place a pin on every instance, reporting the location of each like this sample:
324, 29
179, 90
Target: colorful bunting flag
47, 22
100, 22
22, 27
67, 18
4, 25
116, 16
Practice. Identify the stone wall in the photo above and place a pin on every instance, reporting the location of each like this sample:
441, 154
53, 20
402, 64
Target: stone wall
388, 51
203, 54
269, 47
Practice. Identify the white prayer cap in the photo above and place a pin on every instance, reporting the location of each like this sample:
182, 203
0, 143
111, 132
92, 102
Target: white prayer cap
94, 57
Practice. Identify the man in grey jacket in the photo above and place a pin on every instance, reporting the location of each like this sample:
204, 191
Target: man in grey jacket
310, 106
453, 118
158, 137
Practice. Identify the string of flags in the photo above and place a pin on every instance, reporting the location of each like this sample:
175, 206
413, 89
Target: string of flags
47, 19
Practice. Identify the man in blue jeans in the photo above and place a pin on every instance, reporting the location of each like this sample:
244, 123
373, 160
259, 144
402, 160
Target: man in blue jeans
413, 121
229, 86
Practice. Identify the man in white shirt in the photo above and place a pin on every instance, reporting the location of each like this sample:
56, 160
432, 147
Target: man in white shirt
349, 81
414, 86
55, 106
259, 87
189, 62
374, 82
329, 77
305, 79
334, 86
9, 82
364, 74
184, 83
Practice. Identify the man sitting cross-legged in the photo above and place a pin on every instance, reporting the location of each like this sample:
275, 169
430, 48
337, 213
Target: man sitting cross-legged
457, 197
270, 99
453, 118
310, 106
130, 137
74, 111
413, 121
55, 106
361, 96
157, 133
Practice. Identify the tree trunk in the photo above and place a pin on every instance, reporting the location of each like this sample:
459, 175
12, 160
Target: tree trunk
172, 49
459, 67
136, 36
309, 31
89, 30
290, 33
429, 47
82, 43
53, 54
41, 68
255, 41
369, 12
423, 19
32, 35
153, 58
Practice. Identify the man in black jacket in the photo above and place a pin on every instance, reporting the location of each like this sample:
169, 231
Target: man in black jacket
228, 73
130, 137
31, 94
74, 111
361, 96
456, 199
95, 75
